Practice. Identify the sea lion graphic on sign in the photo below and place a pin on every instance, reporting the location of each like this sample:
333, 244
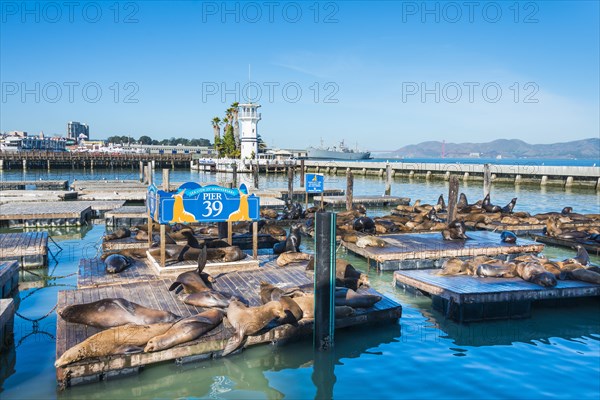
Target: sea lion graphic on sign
243, 212
179, 213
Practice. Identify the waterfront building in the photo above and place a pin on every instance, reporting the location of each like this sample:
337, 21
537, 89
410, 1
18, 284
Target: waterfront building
74, 129
248, 117
203, 151
33, 143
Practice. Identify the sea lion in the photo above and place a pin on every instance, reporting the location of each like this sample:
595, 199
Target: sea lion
357, 300
208, 298
268, 213
552, 228
291, 243
508, 209
276, 231
585, 275
488, 206
572, 235
108, 313
292, 311
345, 271
470, 265
385, 226
131, 253
250, 320
456, 231
307, 304
118, 234
290, 257
372, 241
190, 282
185, 330
498, 269
582, 256
508, 237
350, 238
441, 203
116, 263
269, 292
453, 266
124, 339
364, 224
535, 273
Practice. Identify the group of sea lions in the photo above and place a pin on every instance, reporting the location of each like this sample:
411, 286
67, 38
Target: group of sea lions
556, 227
289, 249
536, 269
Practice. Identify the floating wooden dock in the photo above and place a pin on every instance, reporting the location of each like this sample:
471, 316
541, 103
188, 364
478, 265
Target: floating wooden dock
7, 312
59, 213
430, 250
127, 212
30, 249
523, 229
9, 278
468, 298
212, 267
591, 246
155, 294
375, 201
20, 196
92, 273
45, 185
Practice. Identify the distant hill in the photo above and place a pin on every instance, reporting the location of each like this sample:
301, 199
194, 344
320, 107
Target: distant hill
513, 148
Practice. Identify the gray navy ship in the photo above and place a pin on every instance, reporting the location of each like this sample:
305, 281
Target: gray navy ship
336, 153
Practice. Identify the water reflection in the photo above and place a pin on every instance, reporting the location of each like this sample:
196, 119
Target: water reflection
8, 360
246, 373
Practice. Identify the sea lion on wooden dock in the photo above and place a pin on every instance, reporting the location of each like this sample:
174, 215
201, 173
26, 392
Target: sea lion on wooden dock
291, 243
124, 339
349, 276
455, 231
496, 269
131, 253
372, 241
357, 300
269, 292
268, 213
186, 330
582, 274
120, 233
290, 257
508, 237
488, 206
441, 203
307, 304
582, 257
453, 266
508, 209
208, 299
364, 224
108, 313
293, 312
535, 273
250, 320
116, 263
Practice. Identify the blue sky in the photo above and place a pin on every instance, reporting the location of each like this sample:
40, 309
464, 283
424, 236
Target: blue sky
380, 74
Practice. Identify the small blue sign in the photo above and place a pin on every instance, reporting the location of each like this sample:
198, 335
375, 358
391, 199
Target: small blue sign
315, 183
195, 203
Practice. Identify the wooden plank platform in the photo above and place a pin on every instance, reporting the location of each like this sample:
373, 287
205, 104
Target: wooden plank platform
523, 229
9, 278
340, 201
92, 274
243, 241
127, 212
30, 249
7, 312
591, 246
12, 196
212, 267
22, 185
46, 213
155, 294
468, 298
429, 250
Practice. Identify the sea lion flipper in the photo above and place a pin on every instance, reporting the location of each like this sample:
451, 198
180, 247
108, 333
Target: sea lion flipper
174, 286
128, 349
233, 343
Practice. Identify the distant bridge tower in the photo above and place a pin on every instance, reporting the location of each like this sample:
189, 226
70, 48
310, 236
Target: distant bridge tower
248, 117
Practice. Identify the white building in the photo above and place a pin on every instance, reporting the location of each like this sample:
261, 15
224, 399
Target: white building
248, 118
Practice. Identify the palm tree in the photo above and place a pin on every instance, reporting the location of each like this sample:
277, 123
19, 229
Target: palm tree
216, 124
236, 126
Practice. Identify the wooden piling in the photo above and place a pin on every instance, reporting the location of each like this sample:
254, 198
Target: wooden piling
255, 174
255, 240
234, 171
349, 189
452, 198
324, 281
229, 232
165, 182
290, 183
141, 171
388, 179
487, 179
162, 244
301, 173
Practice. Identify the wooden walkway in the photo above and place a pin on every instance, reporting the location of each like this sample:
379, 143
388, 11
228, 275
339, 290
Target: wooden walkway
378, 201
468, 298
155, 294
30, 249
429, 250
591, 246
92, 274
9, 278
22, 185
64, 213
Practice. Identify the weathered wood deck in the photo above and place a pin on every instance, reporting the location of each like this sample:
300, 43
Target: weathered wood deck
340, 201
30, 249
92, 274
468, 298
591, 246
9, 278
22, 185
525, 228
212, 267
65, 213
428, 250
127, 212
155, 294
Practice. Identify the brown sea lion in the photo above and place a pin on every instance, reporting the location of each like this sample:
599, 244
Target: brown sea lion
552, 267
453, 266
124, 339
365, 241
535, 273
208, 299
350, 238
292, 311
185, 330
346, 272
116, 263
290, 257
250, 320
496, 269
472, 264
118, 234
357, 300
132, 253
269, 292
307, 304
190, 282
268, 213
552, 228
582, 257
585, 275
455, 231
108, 313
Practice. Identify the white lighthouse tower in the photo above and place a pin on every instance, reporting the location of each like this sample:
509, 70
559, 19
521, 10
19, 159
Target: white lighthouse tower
248, 117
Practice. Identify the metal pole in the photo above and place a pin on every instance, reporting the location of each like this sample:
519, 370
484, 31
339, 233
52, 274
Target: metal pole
324, 281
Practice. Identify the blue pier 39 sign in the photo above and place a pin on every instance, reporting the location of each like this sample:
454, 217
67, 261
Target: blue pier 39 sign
194, 203
315, 183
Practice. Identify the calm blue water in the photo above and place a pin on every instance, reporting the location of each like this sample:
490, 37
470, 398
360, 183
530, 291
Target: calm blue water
504, 161
554, 354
